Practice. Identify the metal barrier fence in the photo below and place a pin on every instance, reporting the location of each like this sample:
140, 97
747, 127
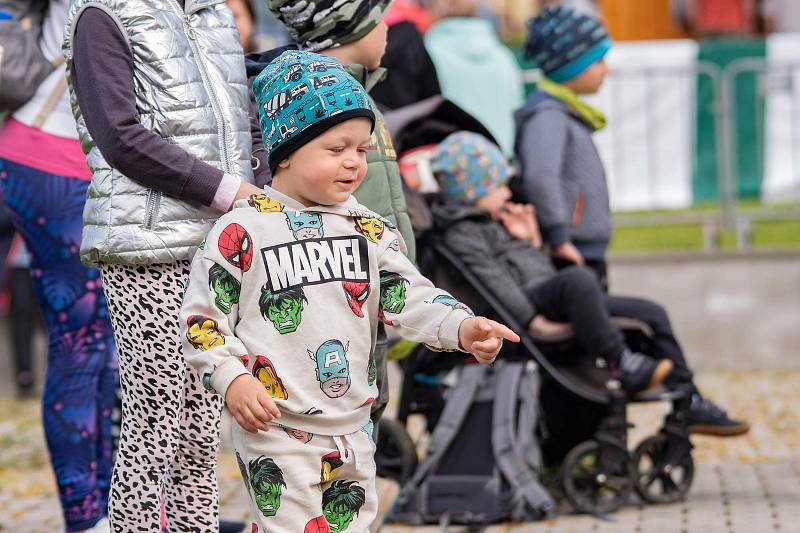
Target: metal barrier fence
655, 149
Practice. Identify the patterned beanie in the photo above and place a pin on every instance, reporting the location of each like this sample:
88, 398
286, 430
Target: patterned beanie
321, 24
564, 43
299, 96
468, 166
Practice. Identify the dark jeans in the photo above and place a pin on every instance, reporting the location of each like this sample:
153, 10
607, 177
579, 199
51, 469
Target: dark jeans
574, 295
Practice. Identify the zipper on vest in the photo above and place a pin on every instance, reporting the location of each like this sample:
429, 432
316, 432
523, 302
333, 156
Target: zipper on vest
151, 208
222, 128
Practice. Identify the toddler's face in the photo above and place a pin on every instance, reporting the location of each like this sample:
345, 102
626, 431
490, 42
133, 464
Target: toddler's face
494, 200
329, 168
590, 80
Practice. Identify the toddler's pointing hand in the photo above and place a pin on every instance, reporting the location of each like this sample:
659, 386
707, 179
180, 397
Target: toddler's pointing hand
483, 338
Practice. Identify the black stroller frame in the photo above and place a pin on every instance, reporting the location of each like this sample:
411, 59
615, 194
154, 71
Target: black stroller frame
599, 474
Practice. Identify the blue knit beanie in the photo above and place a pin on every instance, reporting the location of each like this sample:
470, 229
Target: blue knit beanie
564, 43
468, 166
300, 95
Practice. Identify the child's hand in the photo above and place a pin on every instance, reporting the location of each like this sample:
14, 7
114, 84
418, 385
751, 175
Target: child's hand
250, 404
566, 251
483, 338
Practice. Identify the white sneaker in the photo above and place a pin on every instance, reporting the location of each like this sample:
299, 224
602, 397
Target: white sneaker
101, 527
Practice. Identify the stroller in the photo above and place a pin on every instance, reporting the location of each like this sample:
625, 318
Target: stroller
597, 474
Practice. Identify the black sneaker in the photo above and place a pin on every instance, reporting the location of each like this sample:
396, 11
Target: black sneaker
637, 372
707, 418
227, 526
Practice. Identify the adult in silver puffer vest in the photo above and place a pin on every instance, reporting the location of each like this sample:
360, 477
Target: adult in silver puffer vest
160, 99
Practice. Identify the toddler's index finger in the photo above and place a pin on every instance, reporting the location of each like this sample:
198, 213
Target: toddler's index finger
504, 332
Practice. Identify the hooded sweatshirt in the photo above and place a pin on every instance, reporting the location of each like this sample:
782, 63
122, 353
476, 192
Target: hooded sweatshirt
563, 176
509, 268
478, 73
293, 295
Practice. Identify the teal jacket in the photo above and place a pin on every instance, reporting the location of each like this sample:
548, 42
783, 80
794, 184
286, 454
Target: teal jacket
478, 73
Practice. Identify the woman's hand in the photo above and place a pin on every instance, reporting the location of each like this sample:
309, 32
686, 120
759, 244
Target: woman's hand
483, 338
245, 191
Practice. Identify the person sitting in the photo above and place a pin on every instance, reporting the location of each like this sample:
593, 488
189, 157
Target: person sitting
501, 244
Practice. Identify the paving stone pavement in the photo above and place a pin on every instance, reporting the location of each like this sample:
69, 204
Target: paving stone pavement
749, 484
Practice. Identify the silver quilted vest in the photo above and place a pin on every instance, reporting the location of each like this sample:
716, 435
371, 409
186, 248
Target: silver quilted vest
191, 89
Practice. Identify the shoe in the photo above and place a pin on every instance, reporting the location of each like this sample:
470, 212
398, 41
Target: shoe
637, 372
100, 527
229, 526
707, 418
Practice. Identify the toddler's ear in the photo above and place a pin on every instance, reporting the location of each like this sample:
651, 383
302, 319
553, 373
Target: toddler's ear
284, 164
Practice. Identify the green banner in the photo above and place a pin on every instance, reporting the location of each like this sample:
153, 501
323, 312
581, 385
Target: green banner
748, 122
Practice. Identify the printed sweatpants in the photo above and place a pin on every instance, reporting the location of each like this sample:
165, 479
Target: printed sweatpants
298, 482
170, 423
47, 210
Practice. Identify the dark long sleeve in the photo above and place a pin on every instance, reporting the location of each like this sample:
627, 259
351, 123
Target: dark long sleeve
469, 241
411, 74
102, 76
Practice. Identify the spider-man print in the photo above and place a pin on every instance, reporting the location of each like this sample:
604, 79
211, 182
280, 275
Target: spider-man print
357, 294
236, 246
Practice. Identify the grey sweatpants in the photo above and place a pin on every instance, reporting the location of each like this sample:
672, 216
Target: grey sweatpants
301, 482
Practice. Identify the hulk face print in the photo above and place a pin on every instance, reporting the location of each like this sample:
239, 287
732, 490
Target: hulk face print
393, 291
333, 370
283, 308
225, 287
266, 482
341, 503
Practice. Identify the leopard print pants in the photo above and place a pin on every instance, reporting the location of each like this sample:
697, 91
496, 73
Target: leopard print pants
170, 423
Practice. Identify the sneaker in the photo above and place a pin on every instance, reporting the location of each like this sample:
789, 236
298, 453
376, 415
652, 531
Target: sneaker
637, 372
707, 418
100, 527
228, 526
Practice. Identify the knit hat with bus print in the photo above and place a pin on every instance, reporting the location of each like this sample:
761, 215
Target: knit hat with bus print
300, 95
321, 24
564, 43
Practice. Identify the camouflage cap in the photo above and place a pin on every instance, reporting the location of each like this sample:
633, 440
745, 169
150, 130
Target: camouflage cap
322, 24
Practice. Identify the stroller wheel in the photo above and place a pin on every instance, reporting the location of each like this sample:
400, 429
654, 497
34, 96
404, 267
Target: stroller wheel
658, 482
396, 454
588, 486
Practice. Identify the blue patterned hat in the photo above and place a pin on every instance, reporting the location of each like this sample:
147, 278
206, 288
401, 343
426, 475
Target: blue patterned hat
468, 166
302, 94
564, 43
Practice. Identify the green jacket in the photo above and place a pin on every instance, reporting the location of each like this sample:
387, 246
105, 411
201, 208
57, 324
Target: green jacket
382, 189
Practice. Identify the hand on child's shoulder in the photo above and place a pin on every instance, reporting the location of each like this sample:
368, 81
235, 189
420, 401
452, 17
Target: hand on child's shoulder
250, 405
483, 337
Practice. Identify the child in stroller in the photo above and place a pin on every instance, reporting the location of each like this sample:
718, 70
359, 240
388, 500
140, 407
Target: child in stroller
498, 242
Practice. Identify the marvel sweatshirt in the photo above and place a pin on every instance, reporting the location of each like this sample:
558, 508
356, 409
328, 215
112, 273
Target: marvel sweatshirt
293, 296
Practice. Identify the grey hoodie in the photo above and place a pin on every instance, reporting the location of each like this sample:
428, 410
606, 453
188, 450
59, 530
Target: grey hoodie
508, 267
563, 176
